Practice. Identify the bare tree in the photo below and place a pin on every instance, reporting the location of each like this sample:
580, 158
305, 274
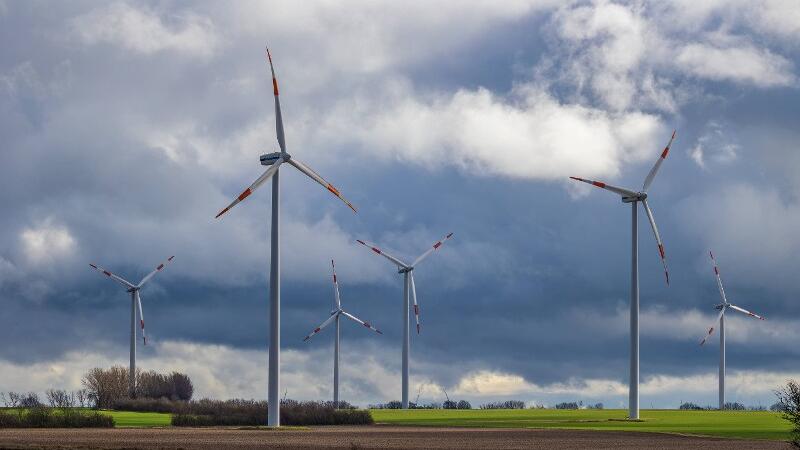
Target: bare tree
82, 396
106, 386
789, 399
59, 398
29, 400
182, 387
13, 399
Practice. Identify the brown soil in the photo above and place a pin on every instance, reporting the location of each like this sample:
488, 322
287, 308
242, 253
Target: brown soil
364, 437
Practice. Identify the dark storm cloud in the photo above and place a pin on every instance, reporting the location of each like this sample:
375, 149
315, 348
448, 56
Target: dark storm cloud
120, 148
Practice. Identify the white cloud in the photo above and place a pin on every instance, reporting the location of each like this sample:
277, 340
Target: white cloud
633, 56
46, 242
488, 384
145, 31
778, 18
219, 371
530, 135
369, 37
607, 45
740, 63
714, 145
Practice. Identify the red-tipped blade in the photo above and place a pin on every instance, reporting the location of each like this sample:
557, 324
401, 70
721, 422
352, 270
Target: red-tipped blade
617, 190
375, 249
259, 181
278, 114
432, 249
659, 243
114, 277
652, 175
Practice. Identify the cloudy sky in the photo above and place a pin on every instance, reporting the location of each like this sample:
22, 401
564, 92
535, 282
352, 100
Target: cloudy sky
127, 126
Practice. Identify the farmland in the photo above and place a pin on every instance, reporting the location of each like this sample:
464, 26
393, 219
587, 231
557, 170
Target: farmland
733, 424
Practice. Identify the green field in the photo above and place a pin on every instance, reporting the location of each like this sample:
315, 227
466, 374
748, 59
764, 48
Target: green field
126, 418
734, 424
139, 419
738, 424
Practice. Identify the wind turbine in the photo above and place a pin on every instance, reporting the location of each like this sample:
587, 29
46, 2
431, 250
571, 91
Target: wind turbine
407, 270
136, 301
634, 197
274, 161
336, 313
722, 307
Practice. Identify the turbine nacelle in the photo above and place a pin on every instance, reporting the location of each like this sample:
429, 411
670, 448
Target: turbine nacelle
269, 159
640, 196
405, 269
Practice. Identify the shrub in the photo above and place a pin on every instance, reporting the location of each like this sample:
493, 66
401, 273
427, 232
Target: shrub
777, 407
690, 406
253, 413
394, 404
789, 399
508, 404
567, 405
43, 417
734, 406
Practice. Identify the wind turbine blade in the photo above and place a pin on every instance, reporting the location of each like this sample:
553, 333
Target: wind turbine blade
157, 269
278, 115
141, 317
366, 324
338, 300
316, 177
259, 181
322, 325
658, 238
431, 250
414, 297
719, 279
711, 329
650, 176
112, 276
742, 310
391, 258
617, 190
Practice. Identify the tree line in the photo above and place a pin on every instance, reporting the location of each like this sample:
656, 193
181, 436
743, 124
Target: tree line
106, 387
